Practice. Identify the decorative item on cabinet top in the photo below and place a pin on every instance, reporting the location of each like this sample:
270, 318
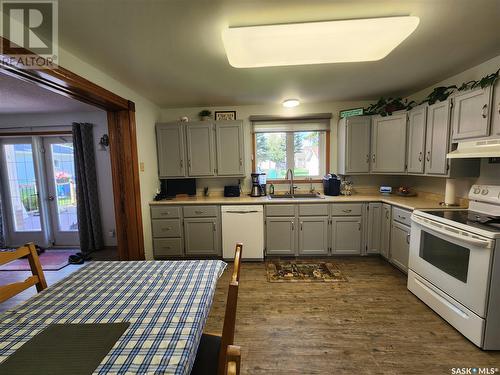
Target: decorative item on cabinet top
225, 115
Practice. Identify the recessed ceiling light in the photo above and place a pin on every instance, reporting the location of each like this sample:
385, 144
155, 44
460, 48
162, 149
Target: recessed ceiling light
316, 42
289, 103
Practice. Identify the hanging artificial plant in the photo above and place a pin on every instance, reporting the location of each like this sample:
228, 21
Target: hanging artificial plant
387, 106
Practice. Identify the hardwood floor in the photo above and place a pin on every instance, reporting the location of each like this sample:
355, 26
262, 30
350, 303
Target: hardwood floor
369, 325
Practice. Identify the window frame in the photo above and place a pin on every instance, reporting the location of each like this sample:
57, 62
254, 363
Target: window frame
291, 156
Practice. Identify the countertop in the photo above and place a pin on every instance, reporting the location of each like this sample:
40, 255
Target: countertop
410, 203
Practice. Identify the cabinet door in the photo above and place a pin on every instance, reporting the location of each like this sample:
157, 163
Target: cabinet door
417, 118
200, 149
471, 114
280, 235
202, 236
389, 143
229, 142
385, 239
171, 150
313, 235
346, 235
374, 226
357, 144
437, 138
400, 245
495, 111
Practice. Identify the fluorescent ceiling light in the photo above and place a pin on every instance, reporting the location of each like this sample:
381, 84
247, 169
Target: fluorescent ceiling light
316, 42
290, 103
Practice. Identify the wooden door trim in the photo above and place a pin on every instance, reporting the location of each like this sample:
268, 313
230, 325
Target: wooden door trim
123, 143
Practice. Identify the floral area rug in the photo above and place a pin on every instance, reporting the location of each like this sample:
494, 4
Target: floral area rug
303, 271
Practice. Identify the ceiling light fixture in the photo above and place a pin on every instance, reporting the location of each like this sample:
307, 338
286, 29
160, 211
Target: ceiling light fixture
316, 42
290, 103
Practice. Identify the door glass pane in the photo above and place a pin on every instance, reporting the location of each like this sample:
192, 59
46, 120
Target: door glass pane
271, 154
64, 179
448, 257
306, 154
22, 187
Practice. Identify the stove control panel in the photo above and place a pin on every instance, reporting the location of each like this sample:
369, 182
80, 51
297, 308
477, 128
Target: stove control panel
485, 193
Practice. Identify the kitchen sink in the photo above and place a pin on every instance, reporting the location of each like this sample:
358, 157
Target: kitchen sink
296, 196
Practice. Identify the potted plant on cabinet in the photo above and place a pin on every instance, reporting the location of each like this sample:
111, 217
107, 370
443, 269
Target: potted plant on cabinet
205, 115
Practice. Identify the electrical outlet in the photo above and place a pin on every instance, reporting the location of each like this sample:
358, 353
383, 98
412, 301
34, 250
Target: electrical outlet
141, 166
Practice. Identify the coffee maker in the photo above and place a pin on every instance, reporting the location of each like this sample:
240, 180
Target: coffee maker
256, 185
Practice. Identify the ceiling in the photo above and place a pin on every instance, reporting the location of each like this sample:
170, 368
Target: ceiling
17, 96
171, 51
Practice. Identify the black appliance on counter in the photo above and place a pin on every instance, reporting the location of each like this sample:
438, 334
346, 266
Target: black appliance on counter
232, 191
171, 188
331, 185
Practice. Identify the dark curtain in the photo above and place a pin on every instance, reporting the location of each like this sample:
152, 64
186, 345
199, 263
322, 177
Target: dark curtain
89, 218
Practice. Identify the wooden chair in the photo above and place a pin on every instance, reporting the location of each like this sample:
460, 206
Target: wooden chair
38, 278
216, 354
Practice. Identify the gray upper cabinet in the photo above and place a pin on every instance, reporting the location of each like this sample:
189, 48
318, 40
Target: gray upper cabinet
201, 236
374, 228
471, 114
389, 143
200, 149
417, 122
313, 235
437, 138
171, 150
385, 240
230, 148
354, 145
495, 111
346, 235
280, 235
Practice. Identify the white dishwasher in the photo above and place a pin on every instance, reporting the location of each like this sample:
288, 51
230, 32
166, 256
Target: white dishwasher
243, 224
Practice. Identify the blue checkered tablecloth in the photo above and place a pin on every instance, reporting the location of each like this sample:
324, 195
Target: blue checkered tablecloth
166, 302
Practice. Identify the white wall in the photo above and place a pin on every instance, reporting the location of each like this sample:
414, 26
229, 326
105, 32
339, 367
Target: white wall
146, 115
103, 163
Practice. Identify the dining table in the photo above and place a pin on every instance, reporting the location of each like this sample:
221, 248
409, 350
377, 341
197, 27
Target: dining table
166, 304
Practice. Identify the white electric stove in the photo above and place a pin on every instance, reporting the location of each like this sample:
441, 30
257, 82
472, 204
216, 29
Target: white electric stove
454, 265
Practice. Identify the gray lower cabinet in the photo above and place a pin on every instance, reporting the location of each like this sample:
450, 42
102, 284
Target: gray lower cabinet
313, 235
400, 245
346, 235
385, 233
201, 236
280, 235
373, 228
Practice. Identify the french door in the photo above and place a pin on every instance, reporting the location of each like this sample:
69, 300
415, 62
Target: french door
38, 191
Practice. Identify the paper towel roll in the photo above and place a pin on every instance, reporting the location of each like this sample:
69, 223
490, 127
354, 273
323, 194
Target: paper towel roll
450, 192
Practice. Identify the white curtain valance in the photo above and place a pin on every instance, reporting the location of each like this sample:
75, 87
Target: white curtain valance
290, 126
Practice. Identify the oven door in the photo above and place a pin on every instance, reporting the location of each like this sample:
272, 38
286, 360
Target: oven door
455, 261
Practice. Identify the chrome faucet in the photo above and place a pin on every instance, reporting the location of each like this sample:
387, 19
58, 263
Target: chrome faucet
289, 172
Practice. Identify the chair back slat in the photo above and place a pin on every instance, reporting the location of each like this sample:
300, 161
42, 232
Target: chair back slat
38, 278
230, 314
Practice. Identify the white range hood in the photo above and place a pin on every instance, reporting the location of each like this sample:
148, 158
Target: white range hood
487, 148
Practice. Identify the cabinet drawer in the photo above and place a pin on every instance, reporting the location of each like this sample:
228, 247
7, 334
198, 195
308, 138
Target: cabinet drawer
313, 209
347, 209
166, 228
165, 212
280, 210
166, 247
402, 216
201, 211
